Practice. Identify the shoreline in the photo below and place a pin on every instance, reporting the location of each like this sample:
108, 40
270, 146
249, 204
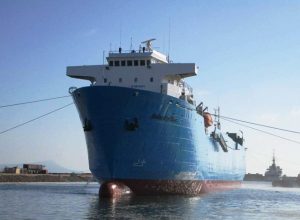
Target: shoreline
51, 177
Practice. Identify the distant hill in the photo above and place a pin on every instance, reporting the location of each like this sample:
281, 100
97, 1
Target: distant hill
52, 167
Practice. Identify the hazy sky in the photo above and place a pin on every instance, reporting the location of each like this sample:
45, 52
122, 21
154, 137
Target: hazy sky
247, 52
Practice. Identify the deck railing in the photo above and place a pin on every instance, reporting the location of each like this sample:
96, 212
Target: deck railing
185, 85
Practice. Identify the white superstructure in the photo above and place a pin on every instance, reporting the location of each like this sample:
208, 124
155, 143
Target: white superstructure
144, 69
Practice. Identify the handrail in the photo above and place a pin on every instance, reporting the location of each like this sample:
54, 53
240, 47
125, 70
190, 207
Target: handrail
185, 85
130, 51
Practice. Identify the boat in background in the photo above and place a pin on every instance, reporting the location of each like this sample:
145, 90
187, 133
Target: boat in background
274, 172
144, 130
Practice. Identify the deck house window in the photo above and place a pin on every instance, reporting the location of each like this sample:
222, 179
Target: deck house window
117, 63
105, 80
151, 79
111, 63
135, 79
136, 62
142, 62
123, 63
129, 62
148, 62
120, 80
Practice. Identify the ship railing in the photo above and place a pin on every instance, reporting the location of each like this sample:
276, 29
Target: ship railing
130, 51
185, 86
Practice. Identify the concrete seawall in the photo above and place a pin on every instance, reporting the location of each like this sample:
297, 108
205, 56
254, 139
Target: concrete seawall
52, 177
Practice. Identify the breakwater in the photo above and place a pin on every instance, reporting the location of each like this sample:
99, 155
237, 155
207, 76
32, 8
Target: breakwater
51, 177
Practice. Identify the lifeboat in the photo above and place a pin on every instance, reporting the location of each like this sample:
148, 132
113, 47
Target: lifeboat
208, 121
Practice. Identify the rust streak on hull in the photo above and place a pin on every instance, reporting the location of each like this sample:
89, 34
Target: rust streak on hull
164, 187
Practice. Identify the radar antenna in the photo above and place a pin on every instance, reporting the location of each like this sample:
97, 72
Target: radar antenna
148, 44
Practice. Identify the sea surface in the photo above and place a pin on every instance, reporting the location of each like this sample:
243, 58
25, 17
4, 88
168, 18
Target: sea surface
253, 200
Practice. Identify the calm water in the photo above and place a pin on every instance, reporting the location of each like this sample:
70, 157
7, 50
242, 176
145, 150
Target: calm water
80, 201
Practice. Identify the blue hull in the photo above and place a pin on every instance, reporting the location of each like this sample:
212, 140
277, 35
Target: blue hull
136, 135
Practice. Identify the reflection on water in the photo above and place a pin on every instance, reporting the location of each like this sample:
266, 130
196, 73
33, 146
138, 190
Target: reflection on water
252, 201
141, 207
80, 201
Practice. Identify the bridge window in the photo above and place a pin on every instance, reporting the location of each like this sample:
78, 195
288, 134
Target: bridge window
129, 62
105, 80
135, 79
142, 62
136, 62
123, 63
120, 80
117, 63
111, 63
151, 79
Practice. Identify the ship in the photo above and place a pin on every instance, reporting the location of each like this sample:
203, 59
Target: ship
144, 131
287, 181
274, 172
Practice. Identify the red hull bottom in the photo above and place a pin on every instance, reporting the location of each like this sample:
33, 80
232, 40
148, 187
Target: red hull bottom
162, 187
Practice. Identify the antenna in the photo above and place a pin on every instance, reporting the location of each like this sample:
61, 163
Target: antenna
120, 34
148, 44
103, 55
164, 44
217, 117
169, 40
130, 43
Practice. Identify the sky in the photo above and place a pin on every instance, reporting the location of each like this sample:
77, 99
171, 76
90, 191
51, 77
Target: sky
247, 52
